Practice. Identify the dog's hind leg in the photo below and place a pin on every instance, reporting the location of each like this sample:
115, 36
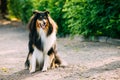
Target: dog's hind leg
58, 59
52, 60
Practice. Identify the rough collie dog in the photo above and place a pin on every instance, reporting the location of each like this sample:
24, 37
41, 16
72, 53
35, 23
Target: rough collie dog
42, 43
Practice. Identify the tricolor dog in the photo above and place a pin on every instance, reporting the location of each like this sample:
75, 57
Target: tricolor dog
42, 43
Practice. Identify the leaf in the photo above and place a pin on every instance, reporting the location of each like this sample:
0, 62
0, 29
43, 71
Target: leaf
4, 69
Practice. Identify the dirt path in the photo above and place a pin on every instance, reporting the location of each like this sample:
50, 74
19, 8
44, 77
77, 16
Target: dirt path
87, 60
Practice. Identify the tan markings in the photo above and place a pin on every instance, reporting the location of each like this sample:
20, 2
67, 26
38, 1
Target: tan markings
52, 61
38, 22
54, 25
33, 46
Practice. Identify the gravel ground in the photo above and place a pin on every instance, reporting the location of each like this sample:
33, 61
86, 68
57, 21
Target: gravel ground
86, 60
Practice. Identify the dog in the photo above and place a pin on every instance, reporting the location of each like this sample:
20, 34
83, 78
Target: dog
42, 43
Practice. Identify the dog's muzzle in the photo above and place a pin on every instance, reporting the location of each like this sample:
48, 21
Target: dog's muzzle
43, 24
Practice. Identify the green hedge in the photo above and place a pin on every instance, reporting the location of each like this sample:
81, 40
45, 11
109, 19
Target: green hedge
87, 17
93, 17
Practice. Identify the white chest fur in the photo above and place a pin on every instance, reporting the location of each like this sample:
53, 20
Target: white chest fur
47, 41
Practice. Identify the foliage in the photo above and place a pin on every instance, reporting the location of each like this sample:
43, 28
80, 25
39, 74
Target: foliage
93, 17
21, 9
72, 16
87, 17
104, 18
14, 7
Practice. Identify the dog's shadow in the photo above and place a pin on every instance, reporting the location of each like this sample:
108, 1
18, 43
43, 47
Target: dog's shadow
17, 75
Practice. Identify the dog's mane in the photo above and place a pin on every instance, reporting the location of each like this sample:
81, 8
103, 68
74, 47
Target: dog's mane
53, 23
32, 22
33, 35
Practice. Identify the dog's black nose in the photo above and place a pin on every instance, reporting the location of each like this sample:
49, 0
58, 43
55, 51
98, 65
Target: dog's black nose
44, 22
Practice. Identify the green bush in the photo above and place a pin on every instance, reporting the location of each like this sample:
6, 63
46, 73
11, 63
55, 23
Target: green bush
93, 17
14, 7
27, 9
72, 16
104, 18
22, 9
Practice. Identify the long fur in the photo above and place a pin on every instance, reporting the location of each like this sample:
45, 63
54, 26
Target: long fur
42, 44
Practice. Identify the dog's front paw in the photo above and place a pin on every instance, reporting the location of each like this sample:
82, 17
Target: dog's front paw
32, 71
44, 69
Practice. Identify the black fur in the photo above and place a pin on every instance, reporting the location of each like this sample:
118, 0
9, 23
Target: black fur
50, 30
50, 51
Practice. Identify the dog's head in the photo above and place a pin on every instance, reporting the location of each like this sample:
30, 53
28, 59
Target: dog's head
41, 19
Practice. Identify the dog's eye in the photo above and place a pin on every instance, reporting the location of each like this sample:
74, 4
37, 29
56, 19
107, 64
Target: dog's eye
45, 17
40, 17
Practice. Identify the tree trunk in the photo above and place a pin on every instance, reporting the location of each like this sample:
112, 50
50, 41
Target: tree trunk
3, 7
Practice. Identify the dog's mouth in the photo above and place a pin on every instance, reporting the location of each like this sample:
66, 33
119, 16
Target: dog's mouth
43, 25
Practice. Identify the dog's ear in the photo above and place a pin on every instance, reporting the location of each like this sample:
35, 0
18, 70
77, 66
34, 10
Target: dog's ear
46, 12
35, 11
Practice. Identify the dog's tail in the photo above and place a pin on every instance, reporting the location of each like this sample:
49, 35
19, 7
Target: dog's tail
60, 61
